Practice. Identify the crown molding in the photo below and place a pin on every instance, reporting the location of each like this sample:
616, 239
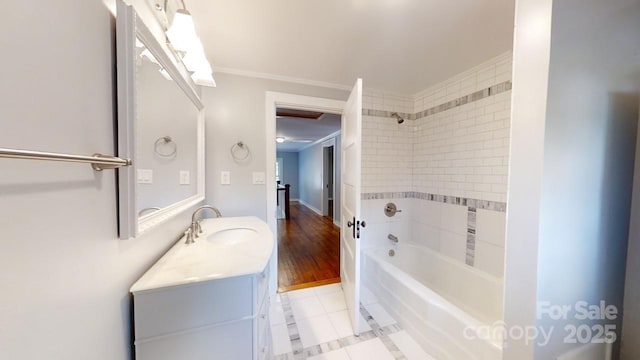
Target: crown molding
260, 75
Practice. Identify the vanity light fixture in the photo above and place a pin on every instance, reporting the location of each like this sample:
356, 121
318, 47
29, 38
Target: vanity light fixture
204, 78
183, 38
196, 61
280, 139
182, 32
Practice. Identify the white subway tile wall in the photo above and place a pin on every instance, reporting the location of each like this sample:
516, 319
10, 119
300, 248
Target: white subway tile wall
387, 146
464, 151
452, 143
379, 225
490, 227
489, 258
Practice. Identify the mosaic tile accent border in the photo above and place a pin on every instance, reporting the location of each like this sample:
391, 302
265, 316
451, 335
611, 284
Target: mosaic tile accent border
387, 195
383, 334
463, 100
454, 200
471, 236
292, 328
300, 353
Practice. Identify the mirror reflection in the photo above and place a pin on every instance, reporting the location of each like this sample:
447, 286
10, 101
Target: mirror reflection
166, 137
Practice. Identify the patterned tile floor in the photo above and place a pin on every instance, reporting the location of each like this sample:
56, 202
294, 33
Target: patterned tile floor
314, 324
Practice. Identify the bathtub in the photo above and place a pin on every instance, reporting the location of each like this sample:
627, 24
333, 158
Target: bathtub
435, 298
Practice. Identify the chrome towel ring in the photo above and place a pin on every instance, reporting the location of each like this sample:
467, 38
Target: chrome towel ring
240, 151
165, 146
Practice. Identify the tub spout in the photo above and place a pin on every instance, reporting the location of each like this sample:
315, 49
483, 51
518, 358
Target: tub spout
393, 238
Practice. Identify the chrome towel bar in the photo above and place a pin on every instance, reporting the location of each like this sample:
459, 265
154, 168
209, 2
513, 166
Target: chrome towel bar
98, 162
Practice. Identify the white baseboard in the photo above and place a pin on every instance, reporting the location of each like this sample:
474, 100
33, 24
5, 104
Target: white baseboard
336, 223
294, 200
312, 208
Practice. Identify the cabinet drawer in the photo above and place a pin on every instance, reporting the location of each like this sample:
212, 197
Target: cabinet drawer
186, 307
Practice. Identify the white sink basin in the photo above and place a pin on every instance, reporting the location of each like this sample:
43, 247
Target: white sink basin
232, 236
228, 247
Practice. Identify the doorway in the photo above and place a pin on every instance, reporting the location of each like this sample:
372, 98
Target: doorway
308, 249
308, 240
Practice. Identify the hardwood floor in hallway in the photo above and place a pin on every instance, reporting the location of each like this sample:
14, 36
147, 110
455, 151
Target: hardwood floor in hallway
308, 250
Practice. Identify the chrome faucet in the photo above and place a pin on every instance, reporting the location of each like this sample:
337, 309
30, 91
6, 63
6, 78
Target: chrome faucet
189, 237
196, 228
393, 238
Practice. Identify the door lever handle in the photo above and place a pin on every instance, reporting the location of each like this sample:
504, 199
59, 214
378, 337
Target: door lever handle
359, 224
353, 224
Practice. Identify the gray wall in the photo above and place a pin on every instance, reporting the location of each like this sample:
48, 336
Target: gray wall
290, 171
589, 150
310, 165
64, 274
631, 320
573, 136
235, 110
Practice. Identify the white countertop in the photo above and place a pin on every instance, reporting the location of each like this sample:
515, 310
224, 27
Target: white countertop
205, 260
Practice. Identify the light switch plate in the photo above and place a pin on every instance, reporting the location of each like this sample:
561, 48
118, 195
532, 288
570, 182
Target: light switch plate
259, 178
185, 177
145, 176
225, 178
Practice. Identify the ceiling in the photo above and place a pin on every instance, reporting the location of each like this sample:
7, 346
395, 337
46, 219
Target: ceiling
399, 46
297, 129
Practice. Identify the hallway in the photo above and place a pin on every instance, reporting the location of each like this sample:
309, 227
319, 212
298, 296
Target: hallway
308, 250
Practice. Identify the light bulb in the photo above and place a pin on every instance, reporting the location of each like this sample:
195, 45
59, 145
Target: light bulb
182, 33
196, 60
203, 78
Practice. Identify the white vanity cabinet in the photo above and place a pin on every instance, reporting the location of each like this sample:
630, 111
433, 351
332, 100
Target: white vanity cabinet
217, 319
209, 299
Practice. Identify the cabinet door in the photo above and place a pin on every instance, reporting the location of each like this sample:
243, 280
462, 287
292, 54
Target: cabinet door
227, 342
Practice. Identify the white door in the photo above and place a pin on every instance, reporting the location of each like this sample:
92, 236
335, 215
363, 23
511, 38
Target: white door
350, 204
